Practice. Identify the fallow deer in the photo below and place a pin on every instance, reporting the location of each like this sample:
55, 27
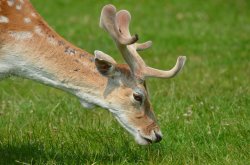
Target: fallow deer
29, 48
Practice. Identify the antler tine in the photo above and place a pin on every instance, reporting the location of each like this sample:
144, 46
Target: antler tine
143, 46
123, 18
151, 72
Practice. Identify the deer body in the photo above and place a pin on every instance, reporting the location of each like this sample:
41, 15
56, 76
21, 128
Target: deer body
29, 48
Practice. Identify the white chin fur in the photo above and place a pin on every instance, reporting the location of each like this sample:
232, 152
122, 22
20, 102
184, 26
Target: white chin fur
140, 140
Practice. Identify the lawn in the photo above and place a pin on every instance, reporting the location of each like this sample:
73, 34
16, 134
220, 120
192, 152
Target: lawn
204, 112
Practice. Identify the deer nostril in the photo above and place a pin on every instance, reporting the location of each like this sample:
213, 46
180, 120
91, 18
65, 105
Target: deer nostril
158, 137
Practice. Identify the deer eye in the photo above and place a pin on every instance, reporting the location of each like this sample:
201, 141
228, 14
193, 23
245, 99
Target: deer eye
138, 97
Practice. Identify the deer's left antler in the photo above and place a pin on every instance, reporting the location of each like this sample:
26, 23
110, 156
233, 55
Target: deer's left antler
117, 25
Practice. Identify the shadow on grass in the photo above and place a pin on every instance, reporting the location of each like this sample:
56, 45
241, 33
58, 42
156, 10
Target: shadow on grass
11, 154
36, 154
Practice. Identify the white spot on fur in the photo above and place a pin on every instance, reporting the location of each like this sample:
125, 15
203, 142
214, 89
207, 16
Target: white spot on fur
33, 15
4, 19
21, 35
27, 20
38, 31
10, 2
21, 1
18, 7
52, 41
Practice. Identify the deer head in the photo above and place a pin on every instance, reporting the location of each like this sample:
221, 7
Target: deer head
130, 101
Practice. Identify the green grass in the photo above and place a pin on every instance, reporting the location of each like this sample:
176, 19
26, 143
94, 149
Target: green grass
204, 112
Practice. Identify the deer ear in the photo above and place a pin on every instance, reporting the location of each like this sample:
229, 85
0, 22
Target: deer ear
104, 63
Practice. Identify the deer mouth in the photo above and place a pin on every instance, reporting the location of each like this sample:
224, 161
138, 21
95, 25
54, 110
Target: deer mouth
148, 140
143, 140
155, 137
139, 137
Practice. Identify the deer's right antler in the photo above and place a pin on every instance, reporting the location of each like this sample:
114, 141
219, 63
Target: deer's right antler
117, 25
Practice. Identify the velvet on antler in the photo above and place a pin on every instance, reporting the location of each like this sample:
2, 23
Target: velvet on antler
117, 25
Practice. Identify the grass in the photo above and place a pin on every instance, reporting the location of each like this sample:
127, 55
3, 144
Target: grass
204, 112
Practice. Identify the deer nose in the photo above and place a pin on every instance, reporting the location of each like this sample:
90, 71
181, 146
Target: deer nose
158, 137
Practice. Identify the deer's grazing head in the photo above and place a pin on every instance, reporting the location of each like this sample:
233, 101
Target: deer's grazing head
128, 98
